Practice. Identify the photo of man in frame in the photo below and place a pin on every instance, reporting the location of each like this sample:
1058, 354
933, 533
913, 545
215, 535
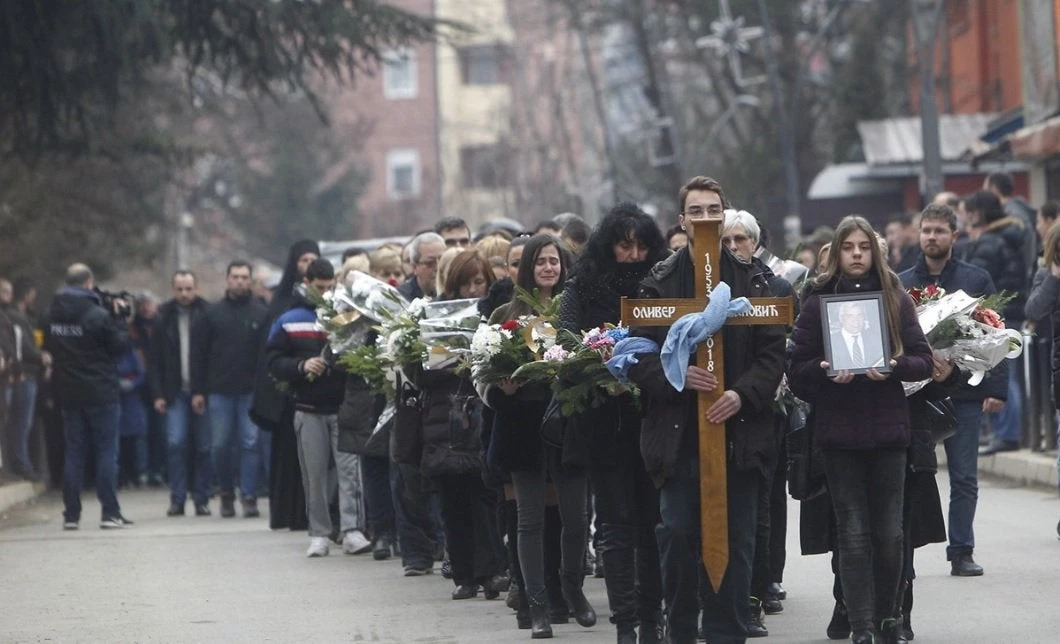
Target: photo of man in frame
855, 336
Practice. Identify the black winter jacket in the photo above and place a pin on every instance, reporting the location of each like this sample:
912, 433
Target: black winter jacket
862, 414
163, 361
1000, 252
754, 364
293, 339
226, 342
962, 276
85, 341
590, 301
1043, 306
451, 420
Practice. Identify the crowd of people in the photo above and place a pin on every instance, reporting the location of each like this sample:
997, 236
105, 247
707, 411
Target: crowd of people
252, 403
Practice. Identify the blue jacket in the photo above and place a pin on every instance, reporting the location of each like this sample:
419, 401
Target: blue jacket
958, 275
293, 339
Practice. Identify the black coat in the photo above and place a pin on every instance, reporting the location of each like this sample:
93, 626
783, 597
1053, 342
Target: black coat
226, 341
451, 417
1000, 252
1043, 306
754, 364
590, 301
923, 521
85, 341
862, 414
163, 363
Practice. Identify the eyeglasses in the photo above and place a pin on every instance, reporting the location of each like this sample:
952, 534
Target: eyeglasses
430, 263
698, 211
454, 242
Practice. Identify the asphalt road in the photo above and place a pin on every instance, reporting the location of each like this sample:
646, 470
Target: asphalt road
232, 580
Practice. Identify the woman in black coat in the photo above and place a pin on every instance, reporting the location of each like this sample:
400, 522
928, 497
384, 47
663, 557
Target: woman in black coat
516, 448
618, 255
452, 452
862, 424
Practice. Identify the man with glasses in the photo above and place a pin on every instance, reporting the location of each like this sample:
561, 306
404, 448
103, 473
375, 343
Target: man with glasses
454, 231
425, 248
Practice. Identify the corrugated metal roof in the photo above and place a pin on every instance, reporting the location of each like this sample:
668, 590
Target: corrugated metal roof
897, 140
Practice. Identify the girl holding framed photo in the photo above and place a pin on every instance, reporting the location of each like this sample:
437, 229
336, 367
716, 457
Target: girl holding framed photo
862, 425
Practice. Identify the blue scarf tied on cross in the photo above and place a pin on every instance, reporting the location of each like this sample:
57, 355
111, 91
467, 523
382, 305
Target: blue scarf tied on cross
682, 339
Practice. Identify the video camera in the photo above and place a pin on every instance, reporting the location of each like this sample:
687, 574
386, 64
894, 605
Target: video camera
120, 305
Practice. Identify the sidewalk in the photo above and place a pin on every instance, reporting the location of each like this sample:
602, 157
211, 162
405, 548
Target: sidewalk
15, 492
1025, 467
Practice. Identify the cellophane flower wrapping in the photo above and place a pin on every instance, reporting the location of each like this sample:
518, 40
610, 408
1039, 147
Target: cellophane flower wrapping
446, 330
965, 330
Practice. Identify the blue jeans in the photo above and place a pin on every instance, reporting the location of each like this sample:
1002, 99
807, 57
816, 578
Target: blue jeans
1008, 423
233, 431
98, 423
725, 614
181, 422
962, 461
21, 400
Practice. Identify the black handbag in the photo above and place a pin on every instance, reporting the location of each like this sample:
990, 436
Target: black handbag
406, 435
940, 418
806, 478
553, 425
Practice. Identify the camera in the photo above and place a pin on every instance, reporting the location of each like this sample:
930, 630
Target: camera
120, 304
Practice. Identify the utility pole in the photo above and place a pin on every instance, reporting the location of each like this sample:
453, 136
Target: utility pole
926, 18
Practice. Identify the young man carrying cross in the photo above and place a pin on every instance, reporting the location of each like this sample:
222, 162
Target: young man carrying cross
750, 369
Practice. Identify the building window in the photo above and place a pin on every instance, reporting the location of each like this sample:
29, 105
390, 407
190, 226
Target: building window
403, 173
399, 74
484, 166
482, 65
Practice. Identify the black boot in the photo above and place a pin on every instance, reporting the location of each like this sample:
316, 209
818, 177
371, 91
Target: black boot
755, 627
891, 632
522, 611
553, 556
906, 624
839, 627
864, 637
540, 628
651, 631
621, 582
579, 606
627, 633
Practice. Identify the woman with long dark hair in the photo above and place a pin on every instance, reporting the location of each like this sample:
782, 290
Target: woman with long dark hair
516, 448
618, 255
862, 424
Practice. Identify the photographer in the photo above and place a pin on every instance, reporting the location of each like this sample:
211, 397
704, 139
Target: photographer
86, 339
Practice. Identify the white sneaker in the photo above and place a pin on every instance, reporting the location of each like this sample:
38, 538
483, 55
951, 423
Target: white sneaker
318, 547
355, 543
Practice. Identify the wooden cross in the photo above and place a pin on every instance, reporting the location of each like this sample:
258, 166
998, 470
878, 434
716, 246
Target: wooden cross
713, 499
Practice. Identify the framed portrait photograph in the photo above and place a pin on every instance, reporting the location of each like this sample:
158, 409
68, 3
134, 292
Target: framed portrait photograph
855, 333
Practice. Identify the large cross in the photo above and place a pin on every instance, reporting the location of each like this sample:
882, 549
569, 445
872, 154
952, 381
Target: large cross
713, 503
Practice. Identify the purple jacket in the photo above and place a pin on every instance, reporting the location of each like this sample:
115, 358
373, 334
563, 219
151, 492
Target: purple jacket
862, 414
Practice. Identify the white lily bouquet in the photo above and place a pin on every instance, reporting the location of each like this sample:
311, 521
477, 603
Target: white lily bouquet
966, 330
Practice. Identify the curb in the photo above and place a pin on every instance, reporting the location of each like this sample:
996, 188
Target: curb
1024, 467
12, 494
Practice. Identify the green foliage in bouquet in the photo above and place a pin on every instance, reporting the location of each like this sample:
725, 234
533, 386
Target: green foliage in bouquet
367, 362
